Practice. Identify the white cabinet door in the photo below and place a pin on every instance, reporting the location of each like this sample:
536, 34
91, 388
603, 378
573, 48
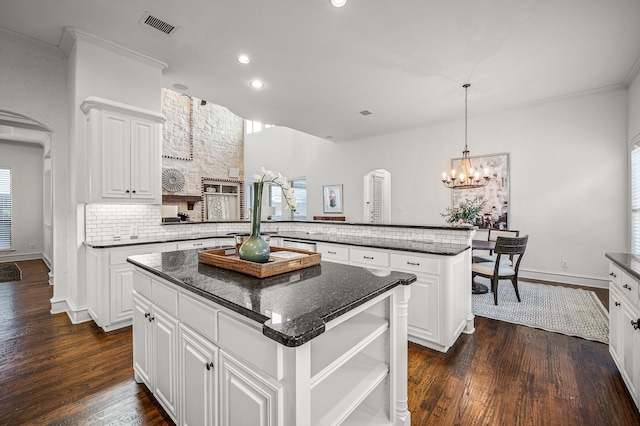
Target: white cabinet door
424, 308
198, 379
121, 300
246, 398
629, 347
115, 162
615, 324
142, 340
165, 341
145, 160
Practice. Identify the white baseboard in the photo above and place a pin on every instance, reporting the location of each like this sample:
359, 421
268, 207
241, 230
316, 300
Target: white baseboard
75, 314
564, 278
18, 257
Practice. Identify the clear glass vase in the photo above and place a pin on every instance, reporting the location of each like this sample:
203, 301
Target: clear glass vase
255, 248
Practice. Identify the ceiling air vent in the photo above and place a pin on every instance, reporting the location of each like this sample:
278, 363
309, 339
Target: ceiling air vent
158, 24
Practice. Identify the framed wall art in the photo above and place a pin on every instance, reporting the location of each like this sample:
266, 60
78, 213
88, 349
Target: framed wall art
332, 198
495, 214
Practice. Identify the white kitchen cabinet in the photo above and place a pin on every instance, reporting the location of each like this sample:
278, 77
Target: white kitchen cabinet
110, 283
164, 359
369, 258
125, 152
624, 328
198, 379
440, 298
155, 348
615, 323
246, 399
352, 374
334, 252
206, 243
440, 304
142, 340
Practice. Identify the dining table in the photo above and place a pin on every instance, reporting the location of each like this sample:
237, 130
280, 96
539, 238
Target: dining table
478, 288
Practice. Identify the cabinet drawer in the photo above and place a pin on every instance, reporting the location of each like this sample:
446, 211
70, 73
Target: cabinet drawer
200, 244
369, 257
629, 288
199, 316
404, 262
331, 252
615, 274
165, 297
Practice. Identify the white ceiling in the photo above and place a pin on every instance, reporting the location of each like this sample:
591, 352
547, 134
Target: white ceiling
404, 60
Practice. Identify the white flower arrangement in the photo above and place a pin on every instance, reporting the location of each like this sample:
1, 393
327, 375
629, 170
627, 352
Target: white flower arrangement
272, 177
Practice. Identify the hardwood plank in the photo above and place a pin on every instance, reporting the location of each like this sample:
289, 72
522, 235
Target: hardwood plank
54, 372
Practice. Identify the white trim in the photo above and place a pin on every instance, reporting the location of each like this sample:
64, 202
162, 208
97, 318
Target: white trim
64, 305
29, 42
19, 257
558, 277
71, 34
95, 102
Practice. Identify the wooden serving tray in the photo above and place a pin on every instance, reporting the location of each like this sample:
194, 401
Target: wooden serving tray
223, 259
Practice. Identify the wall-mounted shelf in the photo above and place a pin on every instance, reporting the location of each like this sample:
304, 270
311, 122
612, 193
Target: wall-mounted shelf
189, 199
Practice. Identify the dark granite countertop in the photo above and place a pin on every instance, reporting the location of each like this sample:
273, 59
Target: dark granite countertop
124, 242
416, 246
293, 307
443, 249
626, 261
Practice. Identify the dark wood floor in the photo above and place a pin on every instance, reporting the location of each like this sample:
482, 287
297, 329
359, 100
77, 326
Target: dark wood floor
53, 372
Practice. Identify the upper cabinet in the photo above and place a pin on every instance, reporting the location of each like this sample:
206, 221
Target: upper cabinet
125, 152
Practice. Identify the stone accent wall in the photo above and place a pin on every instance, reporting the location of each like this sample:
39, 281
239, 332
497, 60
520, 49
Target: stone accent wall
200, 141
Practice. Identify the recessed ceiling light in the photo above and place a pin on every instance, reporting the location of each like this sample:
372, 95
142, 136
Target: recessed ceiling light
257, 84
244, 59
180, 86
338, 3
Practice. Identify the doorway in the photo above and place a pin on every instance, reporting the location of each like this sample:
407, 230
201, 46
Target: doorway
377, 196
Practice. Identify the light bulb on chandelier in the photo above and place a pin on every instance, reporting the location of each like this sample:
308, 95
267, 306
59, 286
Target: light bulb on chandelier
466, 176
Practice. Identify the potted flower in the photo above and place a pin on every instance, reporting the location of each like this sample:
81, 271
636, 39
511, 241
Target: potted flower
468, 212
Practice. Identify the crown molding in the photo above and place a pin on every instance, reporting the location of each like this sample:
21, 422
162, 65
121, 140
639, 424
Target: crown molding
633, 72
70, 35
29, 42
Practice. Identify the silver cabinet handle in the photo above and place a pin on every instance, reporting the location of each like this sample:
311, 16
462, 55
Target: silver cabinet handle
613, 275
331, 252
368, 257
626, 286
413, 263
209, 365
635, 324
197, 244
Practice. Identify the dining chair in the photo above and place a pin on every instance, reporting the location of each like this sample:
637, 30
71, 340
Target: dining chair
493, 236
496, 271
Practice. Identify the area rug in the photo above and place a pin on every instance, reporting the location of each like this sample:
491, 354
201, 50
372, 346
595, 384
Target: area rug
9, 272
570, 311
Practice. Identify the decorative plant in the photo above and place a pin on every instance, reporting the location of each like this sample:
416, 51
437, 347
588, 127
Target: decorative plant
287, 191
469, 211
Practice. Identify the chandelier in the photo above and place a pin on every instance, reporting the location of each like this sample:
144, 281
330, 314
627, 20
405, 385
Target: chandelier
466, 176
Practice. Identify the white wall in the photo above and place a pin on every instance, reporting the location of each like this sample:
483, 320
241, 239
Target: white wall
33, 83
96, 68
26, 163
568, 175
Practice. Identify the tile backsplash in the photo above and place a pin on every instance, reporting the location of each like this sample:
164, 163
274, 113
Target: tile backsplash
109, 222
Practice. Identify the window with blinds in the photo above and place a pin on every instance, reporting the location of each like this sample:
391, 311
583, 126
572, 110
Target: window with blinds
5, 209
635, 201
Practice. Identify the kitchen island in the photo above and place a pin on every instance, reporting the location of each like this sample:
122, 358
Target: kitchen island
322, 345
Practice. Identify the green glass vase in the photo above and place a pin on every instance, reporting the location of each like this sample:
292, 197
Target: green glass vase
255, 248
